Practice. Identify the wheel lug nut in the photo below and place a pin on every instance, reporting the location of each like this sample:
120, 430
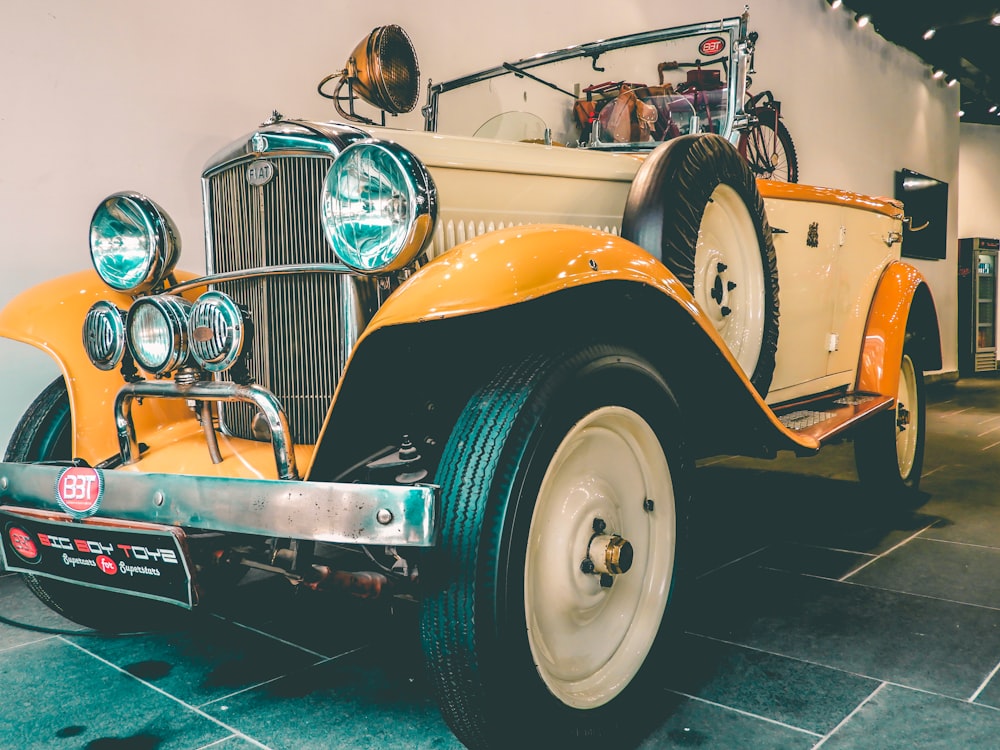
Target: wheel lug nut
606, 580
725, 311
721, 267
730, 285
599, 526
587, 566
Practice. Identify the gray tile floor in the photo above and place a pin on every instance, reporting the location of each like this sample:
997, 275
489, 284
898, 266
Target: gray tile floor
818, 619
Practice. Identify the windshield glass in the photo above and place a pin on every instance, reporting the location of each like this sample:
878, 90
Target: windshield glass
627, 92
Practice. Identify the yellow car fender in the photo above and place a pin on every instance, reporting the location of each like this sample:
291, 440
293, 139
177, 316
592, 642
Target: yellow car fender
506, 268
518, 264
902, 293
50, 316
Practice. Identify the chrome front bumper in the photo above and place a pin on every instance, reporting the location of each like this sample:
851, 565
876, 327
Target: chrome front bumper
320, 511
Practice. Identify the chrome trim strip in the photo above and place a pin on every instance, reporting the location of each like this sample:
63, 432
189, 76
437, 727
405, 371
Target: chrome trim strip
322, 511
263, 399
249, 273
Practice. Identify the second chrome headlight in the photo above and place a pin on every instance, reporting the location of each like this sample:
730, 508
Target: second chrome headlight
217, 329
379, 206
157, 332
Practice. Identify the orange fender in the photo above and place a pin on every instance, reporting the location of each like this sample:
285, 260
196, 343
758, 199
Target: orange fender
50, 316
885, 331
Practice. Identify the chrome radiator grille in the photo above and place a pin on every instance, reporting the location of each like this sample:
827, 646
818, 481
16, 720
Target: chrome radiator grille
295, 353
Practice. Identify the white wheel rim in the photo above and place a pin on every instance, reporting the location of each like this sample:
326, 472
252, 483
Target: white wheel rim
907, 418
728, 255
588, 642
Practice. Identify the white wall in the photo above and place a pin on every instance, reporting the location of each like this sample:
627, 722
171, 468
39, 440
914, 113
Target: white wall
114, 94
979, 181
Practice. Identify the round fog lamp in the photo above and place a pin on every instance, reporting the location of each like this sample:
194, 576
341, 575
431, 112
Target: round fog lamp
157, 332
379, 206
104, 335
216, 331
133, 242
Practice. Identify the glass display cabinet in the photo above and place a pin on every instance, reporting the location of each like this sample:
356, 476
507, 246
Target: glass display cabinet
977, 311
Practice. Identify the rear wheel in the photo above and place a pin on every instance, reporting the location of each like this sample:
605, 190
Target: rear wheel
563, 494
44, 433
889, 451
769, 150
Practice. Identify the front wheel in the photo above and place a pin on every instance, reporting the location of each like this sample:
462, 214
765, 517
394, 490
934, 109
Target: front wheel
44, 433
889, 451
563, 495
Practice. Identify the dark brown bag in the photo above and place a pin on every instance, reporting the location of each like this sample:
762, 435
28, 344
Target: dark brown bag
627, 119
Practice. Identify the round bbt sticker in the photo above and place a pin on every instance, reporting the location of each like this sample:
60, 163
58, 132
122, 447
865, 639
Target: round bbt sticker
23, 544
79, 490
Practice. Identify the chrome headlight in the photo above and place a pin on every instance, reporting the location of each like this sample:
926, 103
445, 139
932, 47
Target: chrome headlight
133, 242
217, 331
379, 206
157, 332
104, 335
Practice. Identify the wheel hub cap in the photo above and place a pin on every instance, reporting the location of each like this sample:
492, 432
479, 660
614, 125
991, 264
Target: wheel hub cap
609, 554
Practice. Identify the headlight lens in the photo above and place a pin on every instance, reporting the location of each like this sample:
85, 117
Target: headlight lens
133, 242
104, 335
157, 332
216, 330
379, 206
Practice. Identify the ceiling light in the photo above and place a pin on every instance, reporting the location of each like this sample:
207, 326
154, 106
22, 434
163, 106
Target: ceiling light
835, 3
952, 81
996, 19
929, 34
961, 113
993, 109
938, 74
862, 20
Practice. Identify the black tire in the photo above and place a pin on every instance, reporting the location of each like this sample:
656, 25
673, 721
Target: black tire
45, 433
889, 449
733, 271
771, 155
490, 624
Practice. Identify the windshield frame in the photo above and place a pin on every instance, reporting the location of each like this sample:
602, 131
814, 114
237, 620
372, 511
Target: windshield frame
740, 52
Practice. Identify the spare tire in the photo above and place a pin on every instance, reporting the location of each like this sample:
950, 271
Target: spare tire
694, 204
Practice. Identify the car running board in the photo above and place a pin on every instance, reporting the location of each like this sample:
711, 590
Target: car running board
827, 418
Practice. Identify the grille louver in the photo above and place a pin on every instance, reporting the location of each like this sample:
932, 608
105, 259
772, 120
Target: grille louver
294, 348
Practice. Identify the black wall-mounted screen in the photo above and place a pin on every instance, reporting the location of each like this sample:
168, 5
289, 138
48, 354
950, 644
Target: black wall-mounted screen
925, 211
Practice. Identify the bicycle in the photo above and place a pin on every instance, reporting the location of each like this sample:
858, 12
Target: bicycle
764, 141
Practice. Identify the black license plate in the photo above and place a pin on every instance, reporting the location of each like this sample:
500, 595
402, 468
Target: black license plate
137, 559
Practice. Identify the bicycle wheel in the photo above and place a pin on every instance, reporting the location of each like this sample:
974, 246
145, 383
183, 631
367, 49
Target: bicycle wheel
769, 152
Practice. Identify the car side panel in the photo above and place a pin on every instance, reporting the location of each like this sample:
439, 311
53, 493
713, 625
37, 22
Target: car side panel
831, 255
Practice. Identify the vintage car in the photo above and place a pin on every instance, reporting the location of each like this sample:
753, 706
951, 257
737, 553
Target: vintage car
474, 369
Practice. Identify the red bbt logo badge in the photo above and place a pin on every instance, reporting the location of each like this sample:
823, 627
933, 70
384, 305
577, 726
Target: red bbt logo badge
79, 490
712, 46
24, 546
